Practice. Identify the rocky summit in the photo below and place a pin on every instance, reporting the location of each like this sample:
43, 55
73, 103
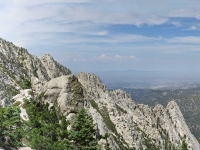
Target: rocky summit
16, 64
129, 125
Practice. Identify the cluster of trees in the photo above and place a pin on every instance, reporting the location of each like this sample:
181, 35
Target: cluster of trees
46, 129
10, 127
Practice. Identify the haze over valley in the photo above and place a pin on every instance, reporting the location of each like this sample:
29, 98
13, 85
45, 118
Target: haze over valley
137, 79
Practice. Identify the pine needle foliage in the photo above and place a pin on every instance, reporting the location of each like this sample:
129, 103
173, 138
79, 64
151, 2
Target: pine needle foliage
83, 132
10, 127
45, 129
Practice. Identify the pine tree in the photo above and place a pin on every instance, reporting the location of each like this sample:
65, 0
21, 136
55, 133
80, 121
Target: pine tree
82, 132
10, 126
45, 129
184, 146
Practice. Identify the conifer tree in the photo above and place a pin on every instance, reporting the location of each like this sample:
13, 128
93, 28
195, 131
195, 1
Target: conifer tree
82, 132
44, 130
10, 126
184, 146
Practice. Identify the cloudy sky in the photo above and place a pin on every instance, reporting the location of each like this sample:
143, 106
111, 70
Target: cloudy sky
91, 35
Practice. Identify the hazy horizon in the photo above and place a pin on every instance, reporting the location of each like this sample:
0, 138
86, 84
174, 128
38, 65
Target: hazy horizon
138, 79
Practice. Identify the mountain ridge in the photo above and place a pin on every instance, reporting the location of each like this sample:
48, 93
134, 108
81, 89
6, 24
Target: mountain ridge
130, 125
16, 64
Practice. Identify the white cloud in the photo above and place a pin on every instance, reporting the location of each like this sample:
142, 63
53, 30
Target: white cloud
185, 13
100, 33
186, 40
34, 22
177, 23
112, 39
105, 58
192, 28
102, 57
20, 20
124, 57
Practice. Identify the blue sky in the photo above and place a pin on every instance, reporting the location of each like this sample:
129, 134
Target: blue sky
102, 35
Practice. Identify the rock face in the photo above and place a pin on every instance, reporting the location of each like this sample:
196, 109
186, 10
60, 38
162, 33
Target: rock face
135, 125
16, 64
19, 101
129, 125
66, 92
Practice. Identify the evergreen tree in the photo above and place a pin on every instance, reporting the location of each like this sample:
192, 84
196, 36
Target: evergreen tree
10, 127
82, 132
184, 146
44, 130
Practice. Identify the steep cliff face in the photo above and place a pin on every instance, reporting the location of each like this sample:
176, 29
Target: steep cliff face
134, 125
16, 64
130, 125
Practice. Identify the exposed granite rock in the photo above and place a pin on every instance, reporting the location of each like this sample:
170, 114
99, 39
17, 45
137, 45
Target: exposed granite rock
95, 88
16, 64
180, 125
19, 99
25, 148
53, 68
133, 125
66, 91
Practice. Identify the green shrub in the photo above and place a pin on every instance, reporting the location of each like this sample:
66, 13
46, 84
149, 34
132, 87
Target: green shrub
25, 84
17, 103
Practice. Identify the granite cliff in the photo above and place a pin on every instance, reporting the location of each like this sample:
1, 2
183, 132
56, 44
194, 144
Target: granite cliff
129, 125
16, 64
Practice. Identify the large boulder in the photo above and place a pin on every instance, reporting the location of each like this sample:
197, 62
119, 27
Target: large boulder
66, 92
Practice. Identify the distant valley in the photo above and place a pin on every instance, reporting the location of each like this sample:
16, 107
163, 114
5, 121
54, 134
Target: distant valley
137, 79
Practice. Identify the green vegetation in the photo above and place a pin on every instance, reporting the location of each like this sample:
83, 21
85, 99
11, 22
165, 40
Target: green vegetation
25, 84
43, 130
184, 146
41, 95
105, 116
47, 130
10, 127
17, 103
120, 109
83, 133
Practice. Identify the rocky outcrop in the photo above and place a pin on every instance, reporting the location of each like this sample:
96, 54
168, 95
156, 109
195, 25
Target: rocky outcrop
95, 88
19, 101
16, 64
53, 68
66, 92
134, 125
130, 125
180, 125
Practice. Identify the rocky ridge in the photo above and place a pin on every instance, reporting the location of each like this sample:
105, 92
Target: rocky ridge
129, 125
16, 64
135, 125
